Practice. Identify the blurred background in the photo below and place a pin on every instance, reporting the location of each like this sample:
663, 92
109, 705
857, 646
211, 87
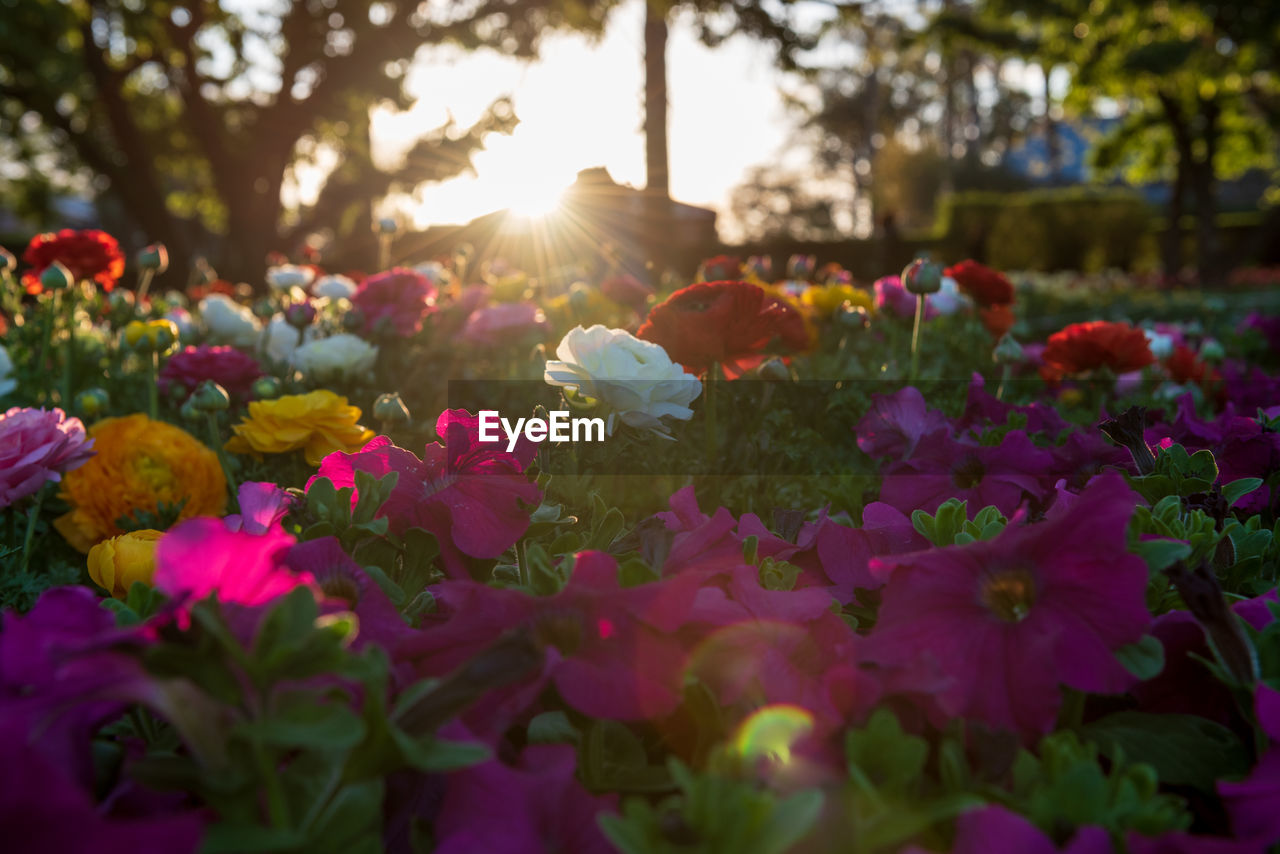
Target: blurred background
646, 135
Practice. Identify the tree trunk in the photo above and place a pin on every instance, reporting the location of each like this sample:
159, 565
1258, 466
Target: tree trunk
657, 196
1171, 251
1052, 144
1204, 182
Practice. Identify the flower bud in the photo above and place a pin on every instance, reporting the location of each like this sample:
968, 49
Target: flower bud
92, 402
579, 297
386, 225
118, 563
1008, 351
1128, 430
190, 412
154, 258
801, 266
56, 277
774, 369
121, 304
264, 309
266, 388
353, 320
922, 277
300, 315
210, 397
390, 409
7, 262
1211, 350
852, 317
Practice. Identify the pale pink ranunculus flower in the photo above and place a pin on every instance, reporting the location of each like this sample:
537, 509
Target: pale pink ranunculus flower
37, 446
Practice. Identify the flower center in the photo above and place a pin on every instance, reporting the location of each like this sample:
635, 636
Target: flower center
340, 586
967, 473
1009, 594
562, 630
156, 474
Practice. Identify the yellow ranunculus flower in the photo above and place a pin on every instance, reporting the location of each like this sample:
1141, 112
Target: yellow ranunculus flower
319, 422
151, 335
139, 464
115, 564
825, 299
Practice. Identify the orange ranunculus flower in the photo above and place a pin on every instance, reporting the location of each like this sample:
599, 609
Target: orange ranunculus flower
89, 255
1097, 344
115, 564
998, 319
319, 422
139, 465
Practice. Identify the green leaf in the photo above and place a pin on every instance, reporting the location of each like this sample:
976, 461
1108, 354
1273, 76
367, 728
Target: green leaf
1184, 750
1237, 489
883, 756
309, 725
1161, 554
431, 754
552, 728
1144, 659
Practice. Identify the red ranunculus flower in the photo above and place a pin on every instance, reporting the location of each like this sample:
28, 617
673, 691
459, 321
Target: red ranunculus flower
1084, 347
988, 287
998, 319
90, 254
1184, 366
731, 323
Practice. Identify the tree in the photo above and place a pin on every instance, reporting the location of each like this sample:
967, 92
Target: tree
1194, 88
191, 114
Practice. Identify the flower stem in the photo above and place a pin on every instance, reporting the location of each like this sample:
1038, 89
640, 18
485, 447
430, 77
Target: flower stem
32, 515
712, 439
69, 350
143, 286
1005, 370
915, 338
215, 439
46, 338
522, 564
152, 363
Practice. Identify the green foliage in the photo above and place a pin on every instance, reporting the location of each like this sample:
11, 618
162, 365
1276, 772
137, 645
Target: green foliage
1184, 750
950, 525
1066, 787
713, 814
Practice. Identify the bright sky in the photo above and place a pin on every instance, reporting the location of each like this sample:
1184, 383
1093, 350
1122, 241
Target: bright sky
580, 106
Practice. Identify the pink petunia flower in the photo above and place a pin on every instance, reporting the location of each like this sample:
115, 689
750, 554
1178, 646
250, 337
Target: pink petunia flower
227, 366
396, 300
466, 492
200, 557
897, 422
506, 323
262, 505
38, 446
996, 830
1010, 619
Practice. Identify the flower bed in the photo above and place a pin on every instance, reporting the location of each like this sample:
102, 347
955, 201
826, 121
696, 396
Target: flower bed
897, 567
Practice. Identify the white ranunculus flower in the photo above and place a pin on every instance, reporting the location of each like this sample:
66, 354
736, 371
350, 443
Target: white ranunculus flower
228, 321
7, 382
338, 357
1161, 345
288, 276
635, 380
282, 340
334, 287
434, 271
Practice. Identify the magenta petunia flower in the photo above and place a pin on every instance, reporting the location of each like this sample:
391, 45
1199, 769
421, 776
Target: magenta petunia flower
348, 587
43, 808
228, 367
544, 807
505, 323
611, 651
982, 409
200, 557
1002, 475
892, 297
396, 300
1010, 619
38, 446
262, 505
472, 495
897, 422
1254, 803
